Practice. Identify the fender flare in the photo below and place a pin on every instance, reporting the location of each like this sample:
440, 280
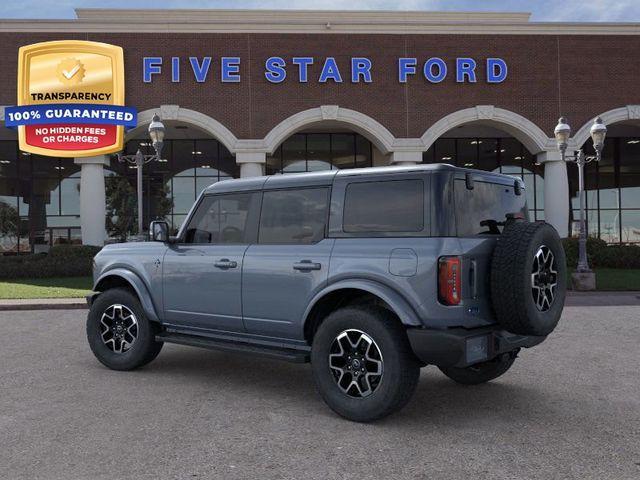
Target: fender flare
398, 304
137, 284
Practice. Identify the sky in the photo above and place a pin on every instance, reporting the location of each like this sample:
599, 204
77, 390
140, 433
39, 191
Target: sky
542, 10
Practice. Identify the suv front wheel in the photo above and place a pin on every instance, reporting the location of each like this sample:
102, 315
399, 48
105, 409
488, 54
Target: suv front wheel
119, 334
362, 363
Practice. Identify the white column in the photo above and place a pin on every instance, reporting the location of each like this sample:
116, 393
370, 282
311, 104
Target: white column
406, 158
556, 191
251, 163
93, 209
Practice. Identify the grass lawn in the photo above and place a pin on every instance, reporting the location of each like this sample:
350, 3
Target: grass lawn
617, 279
69, 287
607, 279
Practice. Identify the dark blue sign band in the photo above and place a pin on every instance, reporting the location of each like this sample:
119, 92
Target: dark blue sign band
70, 113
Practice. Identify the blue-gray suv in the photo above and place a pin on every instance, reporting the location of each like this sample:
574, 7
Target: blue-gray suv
370, 274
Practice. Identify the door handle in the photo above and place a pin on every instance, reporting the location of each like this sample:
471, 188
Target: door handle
306, 266
225, 263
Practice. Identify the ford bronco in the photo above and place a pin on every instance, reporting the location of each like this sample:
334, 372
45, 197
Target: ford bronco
369, 274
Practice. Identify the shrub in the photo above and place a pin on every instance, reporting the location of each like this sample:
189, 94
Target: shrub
571, 249
61, 261
599, 254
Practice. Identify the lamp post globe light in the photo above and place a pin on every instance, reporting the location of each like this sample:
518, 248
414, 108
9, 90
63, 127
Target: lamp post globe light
156, 134
583, 278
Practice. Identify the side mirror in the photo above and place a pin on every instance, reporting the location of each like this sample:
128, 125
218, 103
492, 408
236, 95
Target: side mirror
159, 231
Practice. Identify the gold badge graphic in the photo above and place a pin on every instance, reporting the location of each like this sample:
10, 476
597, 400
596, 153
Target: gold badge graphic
77, 80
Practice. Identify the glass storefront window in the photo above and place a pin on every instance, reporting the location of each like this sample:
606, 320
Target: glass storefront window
274, 162
306, 152
429, 155
318, 151
467, 152
629, 172
630, 196
630, 225
184, 194
610, 226
8, 158
44, 191
181, 161
511, 156
70, 196
488, 153
364, 152
343, 150
445, 151
294, 154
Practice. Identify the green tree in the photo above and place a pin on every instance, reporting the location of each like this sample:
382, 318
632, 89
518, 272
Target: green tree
162, 201
121, 207
9, 221
9, 226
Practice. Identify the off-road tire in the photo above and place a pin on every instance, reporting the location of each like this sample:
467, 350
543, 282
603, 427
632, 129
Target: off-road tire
400, 369
512, 295
142, 351
480, 373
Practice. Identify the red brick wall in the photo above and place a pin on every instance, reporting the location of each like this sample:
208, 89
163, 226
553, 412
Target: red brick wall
577, 76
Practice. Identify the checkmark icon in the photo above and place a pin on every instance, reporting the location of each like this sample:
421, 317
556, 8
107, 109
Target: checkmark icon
71, 73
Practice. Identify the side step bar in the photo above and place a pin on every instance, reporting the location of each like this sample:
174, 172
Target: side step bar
286, 354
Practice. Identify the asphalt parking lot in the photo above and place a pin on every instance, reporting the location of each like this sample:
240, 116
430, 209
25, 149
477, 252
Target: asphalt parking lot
568, 409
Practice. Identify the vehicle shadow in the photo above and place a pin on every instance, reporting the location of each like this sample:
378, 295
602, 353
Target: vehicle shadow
436, 400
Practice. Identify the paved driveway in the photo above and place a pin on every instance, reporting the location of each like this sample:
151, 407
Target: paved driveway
568, 409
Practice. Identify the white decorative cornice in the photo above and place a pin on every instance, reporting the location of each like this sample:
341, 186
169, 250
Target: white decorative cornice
310, 21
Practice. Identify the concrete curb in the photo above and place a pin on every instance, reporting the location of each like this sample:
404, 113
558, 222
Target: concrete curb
602, 299
43, 304
574, 299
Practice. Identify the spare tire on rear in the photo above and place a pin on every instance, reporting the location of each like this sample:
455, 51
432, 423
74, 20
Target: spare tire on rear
528, 278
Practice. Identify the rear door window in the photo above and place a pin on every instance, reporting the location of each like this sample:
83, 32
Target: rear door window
486, 202
294, 216
384, 206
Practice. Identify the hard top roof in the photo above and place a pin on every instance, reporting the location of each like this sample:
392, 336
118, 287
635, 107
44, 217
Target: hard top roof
326, 177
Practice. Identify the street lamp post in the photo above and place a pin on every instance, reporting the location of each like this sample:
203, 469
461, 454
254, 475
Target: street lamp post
562, 133
156, 133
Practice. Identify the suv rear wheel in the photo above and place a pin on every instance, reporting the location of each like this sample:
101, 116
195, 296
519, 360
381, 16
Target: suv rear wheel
119, 334
362, 363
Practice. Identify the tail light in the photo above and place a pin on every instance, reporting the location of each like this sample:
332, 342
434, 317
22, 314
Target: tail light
449, 280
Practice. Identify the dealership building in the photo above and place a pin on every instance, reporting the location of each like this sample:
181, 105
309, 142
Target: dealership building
246, 93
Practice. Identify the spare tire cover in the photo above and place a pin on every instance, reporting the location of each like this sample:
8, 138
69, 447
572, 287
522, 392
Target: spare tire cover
528, 278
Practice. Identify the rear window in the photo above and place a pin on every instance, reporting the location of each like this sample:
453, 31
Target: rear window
385, 206
486, 202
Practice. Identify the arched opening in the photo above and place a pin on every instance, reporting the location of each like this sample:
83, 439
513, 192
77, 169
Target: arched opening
489, 147
192, 159
324, 147
325, 138
612, 186
39, 199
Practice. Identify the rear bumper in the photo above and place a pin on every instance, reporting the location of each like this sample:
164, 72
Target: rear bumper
460, 347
